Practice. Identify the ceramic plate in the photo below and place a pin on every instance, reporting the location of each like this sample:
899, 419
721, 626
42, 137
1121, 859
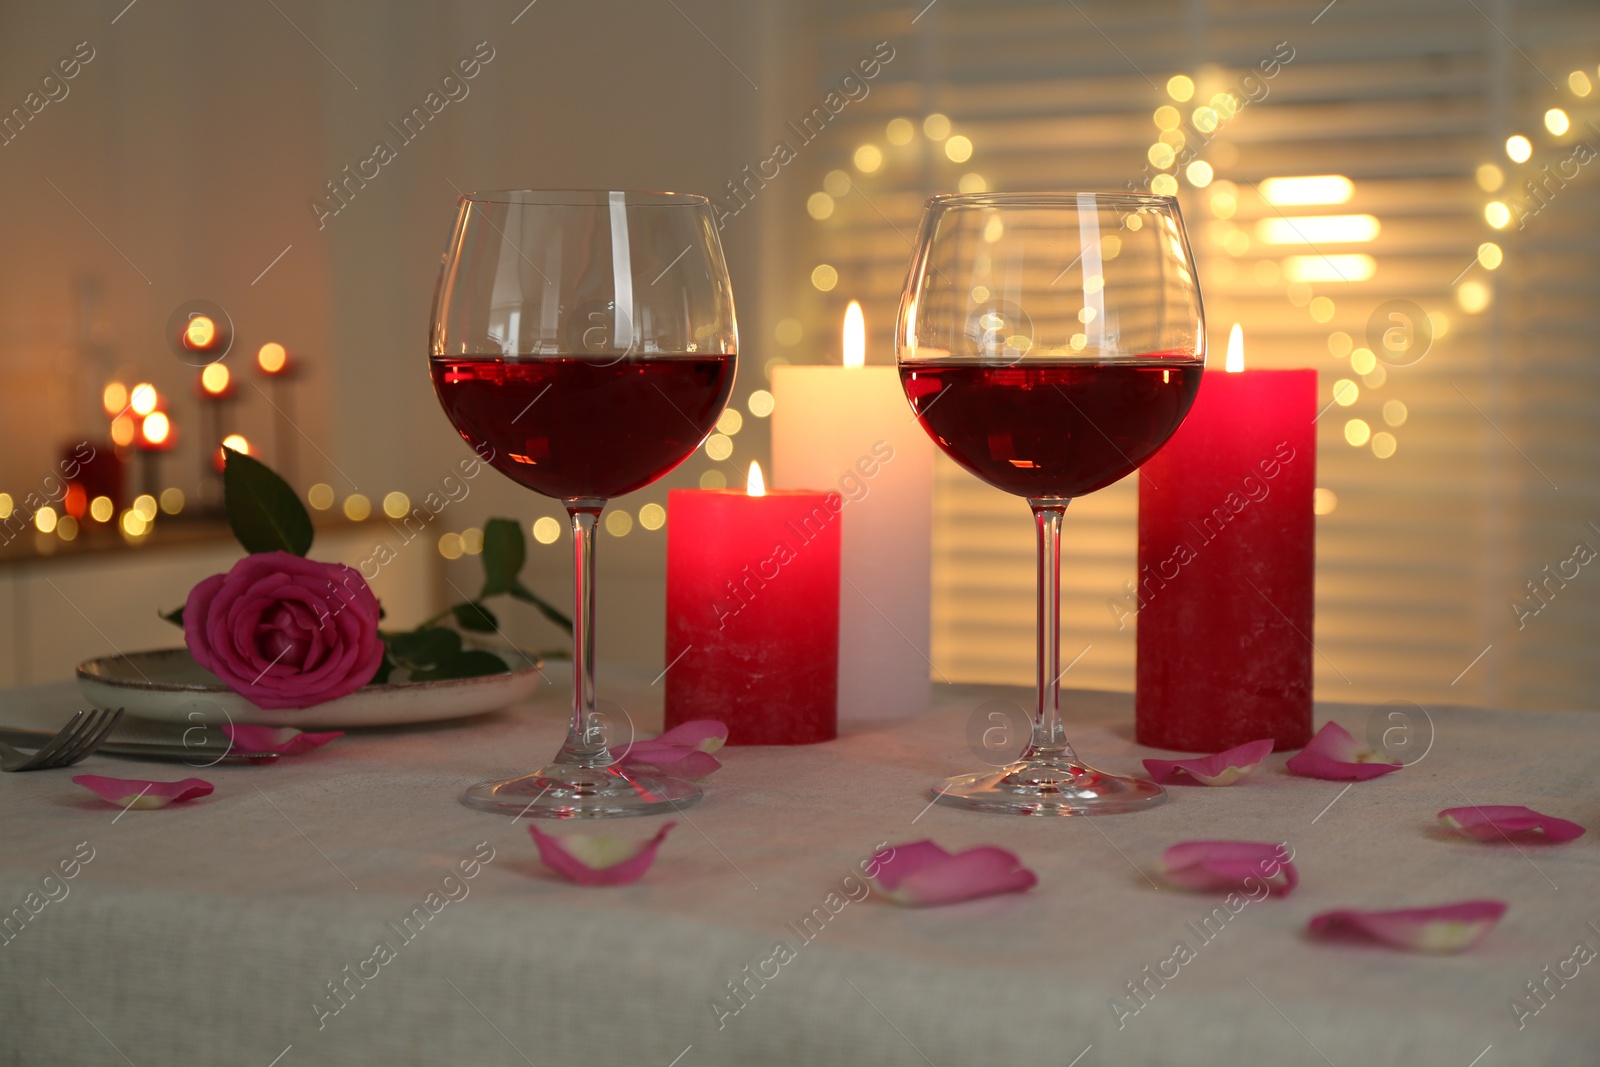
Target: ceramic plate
169, 685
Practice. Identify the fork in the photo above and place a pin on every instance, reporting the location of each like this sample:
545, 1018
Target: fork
76, 740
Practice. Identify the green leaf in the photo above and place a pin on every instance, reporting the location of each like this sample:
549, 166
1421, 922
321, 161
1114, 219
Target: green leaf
175, 617
425, 648
548, 610
473, 663
504, 552
265, 513
384, 669
472, 616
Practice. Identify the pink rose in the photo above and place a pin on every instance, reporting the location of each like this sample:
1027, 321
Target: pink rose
285, 632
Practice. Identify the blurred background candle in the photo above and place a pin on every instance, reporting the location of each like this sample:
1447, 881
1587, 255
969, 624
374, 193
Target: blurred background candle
1226, 555
280, 369
753, 611
849, 428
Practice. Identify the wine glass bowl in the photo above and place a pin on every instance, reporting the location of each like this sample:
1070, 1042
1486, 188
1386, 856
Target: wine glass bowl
1050, 343
583, 343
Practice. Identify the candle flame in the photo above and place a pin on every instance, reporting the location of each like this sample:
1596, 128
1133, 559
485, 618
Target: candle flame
1235, 361
214, 379
156, 427
272, 357
143, 399
755, 485
200, 332
855, 336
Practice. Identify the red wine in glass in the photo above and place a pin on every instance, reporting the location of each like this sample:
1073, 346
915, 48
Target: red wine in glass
574, 427
1058, 430
582, 342
1050, 343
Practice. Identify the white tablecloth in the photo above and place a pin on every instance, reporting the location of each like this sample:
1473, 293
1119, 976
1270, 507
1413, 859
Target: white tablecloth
208, 933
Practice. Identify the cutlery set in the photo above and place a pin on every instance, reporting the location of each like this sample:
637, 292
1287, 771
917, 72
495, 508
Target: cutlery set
103, 731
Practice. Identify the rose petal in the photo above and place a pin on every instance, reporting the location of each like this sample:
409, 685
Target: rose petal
139, 793
894, 864
1495, 822
593, 860
701, 735
1335, 755
278, 740
1230, 865
922, 874
673, 760
1446, 928
707, 735
1224, 768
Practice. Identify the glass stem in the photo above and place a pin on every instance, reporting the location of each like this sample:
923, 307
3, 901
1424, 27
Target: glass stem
1049, 737
585, 745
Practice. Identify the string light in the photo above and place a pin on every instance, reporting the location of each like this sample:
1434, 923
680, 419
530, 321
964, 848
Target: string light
1471, 294
868, 158
546, 530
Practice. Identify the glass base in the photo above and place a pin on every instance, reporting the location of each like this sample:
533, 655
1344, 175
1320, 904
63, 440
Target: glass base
1048, 787
569, 792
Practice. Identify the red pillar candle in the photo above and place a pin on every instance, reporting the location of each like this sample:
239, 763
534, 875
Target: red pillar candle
753, 612
1226, 555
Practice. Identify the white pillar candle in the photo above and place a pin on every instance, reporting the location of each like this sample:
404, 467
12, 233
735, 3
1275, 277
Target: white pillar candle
850, 429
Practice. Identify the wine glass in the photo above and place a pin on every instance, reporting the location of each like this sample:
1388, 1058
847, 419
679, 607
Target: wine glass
583, 343
1050, 343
